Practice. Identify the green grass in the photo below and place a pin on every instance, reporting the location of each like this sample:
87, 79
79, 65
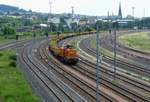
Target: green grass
110, 55
140, 41
3, 40
13, 86
104, 51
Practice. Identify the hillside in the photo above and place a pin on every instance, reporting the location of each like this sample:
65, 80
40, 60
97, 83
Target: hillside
6, 9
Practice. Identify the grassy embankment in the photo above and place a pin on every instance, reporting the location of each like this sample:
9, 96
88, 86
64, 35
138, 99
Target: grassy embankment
13, 86
3, 40
140, 41
24, 35
110, 54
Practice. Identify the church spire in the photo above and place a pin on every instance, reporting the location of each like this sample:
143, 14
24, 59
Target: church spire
120, 11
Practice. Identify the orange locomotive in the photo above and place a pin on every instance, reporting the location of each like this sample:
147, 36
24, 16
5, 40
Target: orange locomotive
66, 54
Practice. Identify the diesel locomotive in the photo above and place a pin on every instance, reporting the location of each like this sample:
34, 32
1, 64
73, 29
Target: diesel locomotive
66, 54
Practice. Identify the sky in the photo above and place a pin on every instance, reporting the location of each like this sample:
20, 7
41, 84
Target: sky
88, 7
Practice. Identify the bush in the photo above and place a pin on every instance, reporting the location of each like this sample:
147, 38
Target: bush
8, 31
12, 64
1, 54
13, 57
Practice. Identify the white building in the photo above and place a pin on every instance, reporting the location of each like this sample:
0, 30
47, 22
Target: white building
54, 20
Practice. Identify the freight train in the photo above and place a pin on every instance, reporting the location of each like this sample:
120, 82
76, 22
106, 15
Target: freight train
66, 54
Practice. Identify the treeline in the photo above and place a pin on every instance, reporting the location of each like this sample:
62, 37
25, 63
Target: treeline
142, 23
11, 25
6, 31
7, 9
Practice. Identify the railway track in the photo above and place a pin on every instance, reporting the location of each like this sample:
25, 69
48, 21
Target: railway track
126, 86
132, 97
63, 83
13, 45
57, 89
123, 76
142, 88
79, 86
138, 56
120, 76
92, 51
141, 70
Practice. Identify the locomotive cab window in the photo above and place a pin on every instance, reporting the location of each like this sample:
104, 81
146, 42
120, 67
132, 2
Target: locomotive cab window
68, 46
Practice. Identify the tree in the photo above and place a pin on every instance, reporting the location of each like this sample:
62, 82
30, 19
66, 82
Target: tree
74, 26
88, 29
115, 24
61, 27
53, 27
8, 31
99, 24
62, 20
146, 22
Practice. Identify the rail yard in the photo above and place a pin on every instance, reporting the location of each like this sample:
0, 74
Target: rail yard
55, 81
74, 51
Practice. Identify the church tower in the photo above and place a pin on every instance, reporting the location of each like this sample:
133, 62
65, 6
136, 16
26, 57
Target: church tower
120, 11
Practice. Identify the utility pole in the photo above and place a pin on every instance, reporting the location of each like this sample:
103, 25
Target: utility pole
133, 17
99, 60
72, 17
109, 21
143, 19
110, 27
115, 24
